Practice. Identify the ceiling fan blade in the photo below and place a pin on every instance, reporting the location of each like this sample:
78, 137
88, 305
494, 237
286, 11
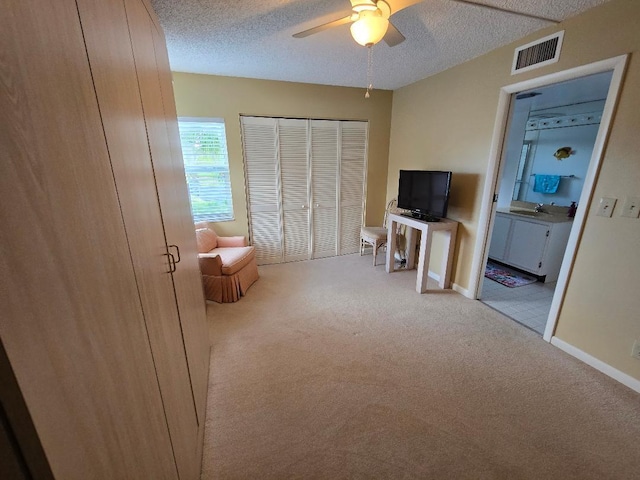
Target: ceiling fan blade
324, 26
504, 10
393, 36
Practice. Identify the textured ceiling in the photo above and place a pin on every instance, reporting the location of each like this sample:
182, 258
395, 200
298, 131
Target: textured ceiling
253, 38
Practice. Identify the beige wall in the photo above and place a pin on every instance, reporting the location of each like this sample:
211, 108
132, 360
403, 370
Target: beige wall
226, 97
446, 122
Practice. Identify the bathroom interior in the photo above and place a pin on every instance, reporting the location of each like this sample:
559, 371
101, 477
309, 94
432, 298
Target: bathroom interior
548, 148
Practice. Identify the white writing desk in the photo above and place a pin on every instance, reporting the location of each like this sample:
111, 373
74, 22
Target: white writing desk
450, 227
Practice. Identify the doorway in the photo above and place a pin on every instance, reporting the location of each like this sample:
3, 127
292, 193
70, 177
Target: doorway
563, 117
503, 176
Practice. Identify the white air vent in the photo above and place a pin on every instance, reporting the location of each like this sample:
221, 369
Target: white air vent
537, 54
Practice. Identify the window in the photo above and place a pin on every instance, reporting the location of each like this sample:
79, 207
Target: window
206, 165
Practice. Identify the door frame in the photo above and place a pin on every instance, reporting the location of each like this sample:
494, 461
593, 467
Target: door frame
494, 172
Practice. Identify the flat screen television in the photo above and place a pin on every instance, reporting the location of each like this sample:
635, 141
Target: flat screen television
424, 193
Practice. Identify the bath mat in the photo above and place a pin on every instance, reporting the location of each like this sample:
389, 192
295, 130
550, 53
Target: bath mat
506, 276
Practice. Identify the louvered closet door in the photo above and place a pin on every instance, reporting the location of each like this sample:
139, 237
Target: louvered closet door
324, 187
294, 175
260, 144
353, 155
297, 168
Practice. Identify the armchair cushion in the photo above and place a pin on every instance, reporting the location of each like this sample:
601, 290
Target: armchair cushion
232, 259
206, 240
239, 241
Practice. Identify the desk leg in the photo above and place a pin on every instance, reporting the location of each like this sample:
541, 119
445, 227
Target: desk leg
447, 260
410, 235
423, 261
391, 246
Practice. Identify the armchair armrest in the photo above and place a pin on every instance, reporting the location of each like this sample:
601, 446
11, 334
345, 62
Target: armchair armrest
210, 264
238, 241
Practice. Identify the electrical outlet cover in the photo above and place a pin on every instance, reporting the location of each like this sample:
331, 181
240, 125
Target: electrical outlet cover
631, 207
635, 351
605, 208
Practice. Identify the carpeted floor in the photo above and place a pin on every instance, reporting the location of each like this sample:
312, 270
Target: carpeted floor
332, 369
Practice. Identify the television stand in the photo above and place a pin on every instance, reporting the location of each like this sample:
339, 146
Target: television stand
448, 227
425, 217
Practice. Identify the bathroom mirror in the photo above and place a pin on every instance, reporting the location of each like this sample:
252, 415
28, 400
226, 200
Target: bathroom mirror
545, 173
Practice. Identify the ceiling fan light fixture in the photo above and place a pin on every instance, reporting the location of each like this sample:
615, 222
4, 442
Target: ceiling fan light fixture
370, 28
361, 7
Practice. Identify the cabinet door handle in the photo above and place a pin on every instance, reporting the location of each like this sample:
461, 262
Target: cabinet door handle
172, 262
177, 252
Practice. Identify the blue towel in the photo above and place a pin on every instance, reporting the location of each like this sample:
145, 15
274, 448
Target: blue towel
546, 183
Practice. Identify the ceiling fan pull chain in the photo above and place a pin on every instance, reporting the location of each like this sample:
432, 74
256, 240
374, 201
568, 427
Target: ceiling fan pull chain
369, 71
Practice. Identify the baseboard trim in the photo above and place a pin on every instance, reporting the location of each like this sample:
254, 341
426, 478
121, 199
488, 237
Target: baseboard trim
462, 291
454, 286
434, 275
605, 368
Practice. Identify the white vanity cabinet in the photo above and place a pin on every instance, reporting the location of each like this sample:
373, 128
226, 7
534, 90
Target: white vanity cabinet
498, 247
534, 245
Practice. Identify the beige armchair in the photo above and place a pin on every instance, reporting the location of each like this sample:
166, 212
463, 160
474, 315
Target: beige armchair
227, 264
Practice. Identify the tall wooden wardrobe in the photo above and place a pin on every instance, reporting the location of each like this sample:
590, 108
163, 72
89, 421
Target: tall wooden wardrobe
104, 344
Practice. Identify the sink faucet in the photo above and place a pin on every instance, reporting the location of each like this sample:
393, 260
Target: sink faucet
538, 208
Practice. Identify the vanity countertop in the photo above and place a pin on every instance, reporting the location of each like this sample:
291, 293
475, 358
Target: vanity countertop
533, 215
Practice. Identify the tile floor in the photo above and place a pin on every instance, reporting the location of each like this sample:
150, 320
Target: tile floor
528, 305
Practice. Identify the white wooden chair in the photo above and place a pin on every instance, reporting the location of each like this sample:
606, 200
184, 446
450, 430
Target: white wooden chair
377, 236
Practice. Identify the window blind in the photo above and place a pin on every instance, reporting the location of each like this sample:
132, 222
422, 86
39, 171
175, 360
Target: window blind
206, 165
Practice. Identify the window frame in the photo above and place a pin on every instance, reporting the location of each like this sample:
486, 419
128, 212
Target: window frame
221, 193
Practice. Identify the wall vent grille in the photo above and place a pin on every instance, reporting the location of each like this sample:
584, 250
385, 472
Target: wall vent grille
538, 53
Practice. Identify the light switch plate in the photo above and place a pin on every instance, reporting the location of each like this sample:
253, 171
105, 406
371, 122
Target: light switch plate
605, 208
631, 207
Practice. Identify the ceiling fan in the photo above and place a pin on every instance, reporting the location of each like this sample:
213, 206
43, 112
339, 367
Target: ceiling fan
370, 20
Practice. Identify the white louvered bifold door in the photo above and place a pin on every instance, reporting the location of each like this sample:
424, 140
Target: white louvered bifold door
305, 186
353, 155
324, 187
294, 175
260, 143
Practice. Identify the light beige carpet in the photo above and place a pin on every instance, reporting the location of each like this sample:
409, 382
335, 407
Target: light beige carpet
333, 369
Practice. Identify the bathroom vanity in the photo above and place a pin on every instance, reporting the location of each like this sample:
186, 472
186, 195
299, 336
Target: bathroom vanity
531, 241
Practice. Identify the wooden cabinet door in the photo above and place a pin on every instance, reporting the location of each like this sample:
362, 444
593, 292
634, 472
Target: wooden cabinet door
527, 245
499, 237
72, 323
180, 231
181, 406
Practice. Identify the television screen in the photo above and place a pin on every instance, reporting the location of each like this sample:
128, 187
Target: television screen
425, 193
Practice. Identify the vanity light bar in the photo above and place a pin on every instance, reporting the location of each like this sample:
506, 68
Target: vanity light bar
565, 121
